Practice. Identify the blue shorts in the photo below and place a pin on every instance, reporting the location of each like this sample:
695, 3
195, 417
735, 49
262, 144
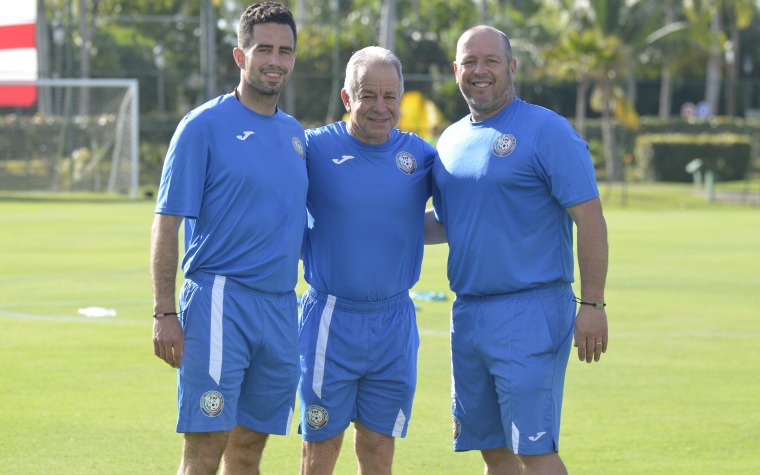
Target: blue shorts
240, 363
358, 363
509, 355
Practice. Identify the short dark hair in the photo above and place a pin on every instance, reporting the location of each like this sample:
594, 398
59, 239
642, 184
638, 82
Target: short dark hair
264, 12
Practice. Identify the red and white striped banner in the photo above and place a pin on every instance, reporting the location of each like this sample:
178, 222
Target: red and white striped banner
18, 53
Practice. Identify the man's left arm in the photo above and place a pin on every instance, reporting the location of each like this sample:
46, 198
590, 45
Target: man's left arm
591, 333
435, 233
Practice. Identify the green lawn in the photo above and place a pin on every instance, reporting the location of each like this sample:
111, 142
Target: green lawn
678, 391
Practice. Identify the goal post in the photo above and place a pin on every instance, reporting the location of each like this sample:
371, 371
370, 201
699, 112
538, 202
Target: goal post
80, 135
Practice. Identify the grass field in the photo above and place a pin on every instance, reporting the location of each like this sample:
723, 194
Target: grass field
677, 393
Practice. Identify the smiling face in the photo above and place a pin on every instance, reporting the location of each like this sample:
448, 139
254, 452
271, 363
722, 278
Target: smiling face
485, 71
268, 60
375, 106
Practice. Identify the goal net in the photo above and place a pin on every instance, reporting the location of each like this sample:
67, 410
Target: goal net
79, 135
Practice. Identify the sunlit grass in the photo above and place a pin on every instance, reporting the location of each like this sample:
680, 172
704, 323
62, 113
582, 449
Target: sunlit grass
677, 392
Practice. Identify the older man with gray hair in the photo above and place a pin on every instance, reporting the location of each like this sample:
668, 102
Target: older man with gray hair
368, 187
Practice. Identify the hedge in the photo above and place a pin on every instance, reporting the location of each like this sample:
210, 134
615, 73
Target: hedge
663, 157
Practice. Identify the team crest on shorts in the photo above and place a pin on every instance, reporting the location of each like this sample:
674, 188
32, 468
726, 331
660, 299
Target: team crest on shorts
298, 146
212, 403
406, 163
316, 416
457, 427
504, 144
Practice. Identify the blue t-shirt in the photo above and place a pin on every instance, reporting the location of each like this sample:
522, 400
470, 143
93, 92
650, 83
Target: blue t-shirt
366, 203
501, 187
239, 179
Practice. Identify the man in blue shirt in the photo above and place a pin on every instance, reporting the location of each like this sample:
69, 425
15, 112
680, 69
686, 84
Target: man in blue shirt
511, 180
368, 187
235, 174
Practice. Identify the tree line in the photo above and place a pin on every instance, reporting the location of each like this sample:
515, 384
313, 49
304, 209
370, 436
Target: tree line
601, 51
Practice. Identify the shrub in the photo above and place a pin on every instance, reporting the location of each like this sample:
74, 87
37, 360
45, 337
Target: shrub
663, 157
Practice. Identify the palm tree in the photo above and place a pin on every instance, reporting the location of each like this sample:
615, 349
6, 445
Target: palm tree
739, 14
666, 82
581, 42
722, 49
694, 32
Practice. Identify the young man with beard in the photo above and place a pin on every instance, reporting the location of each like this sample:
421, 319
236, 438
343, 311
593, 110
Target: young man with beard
235, 174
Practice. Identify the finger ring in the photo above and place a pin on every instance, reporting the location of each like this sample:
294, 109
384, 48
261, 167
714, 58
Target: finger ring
599, 344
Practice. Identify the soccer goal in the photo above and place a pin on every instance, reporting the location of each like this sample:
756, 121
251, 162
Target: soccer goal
79, 135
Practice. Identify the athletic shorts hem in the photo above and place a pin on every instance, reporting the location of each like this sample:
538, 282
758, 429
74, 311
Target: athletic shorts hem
382, 430
262, 429
459, 448
197, 430
322, 436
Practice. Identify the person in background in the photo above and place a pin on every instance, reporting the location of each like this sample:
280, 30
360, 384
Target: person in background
235, 174
368, 187
511, 180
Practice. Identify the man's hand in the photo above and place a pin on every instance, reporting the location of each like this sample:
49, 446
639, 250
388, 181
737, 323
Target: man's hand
591, 333
168, 340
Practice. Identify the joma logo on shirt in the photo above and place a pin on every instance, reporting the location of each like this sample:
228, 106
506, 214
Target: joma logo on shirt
342, 159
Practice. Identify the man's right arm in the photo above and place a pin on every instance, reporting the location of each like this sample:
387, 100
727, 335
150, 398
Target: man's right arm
168, 338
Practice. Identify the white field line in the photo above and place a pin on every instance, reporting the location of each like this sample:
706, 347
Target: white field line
422, 331
678, 334
74, 319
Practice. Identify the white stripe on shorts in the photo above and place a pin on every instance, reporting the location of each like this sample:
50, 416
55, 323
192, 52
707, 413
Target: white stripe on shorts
290, 419
324, 332
515, 439
398, 428
216, 343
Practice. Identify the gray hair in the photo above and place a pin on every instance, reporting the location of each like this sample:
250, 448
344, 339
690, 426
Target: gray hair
364, 58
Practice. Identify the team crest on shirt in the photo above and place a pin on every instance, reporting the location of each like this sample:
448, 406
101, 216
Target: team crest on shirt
504, 144
212, 403
457, 427
316, 416
406, 163
298, 146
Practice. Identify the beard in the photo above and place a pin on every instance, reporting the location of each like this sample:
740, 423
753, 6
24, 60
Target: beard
486, 104
481, 104
261, 86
